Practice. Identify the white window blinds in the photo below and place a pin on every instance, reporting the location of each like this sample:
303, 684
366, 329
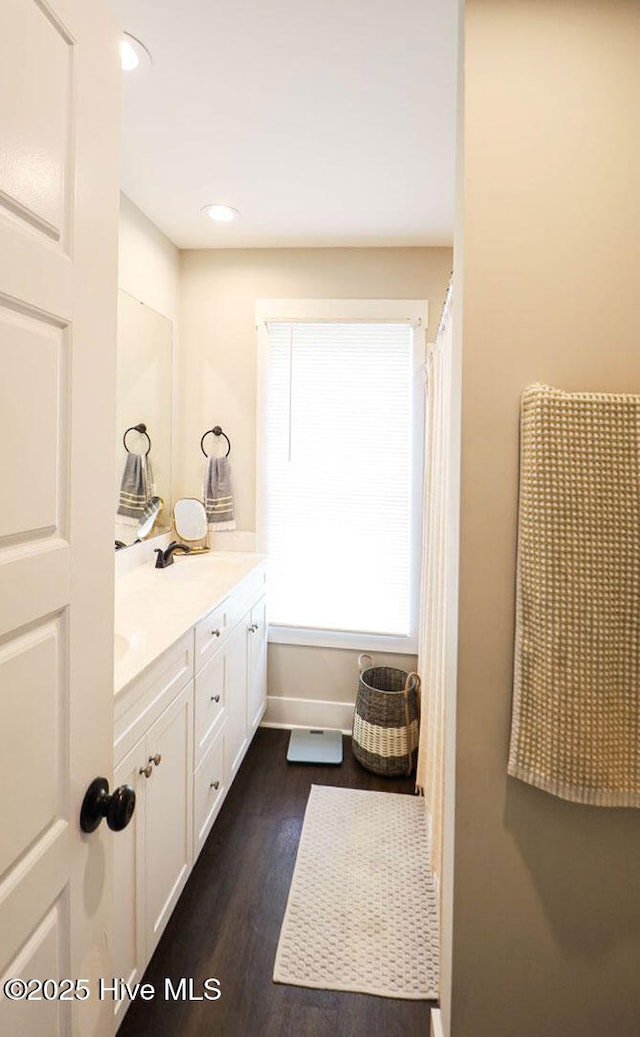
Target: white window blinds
340, 427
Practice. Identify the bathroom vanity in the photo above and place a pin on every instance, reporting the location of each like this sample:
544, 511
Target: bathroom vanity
190, 691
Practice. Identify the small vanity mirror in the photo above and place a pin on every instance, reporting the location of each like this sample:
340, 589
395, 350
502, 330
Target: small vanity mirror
149, 515
190, 522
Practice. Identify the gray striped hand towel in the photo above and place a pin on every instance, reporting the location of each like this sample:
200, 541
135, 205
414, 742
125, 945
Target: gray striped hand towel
218, 494
135, 489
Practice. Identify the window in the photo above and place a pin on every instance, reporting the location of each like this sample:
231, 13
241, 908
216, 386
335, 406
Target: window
340, 469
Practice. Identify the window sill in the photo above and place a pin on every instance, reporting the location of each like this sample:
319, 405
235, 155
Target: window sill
343, 639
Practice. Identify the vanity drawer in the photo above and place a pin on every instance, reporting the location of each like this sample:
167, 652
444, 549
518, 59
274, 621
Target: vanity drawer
211, 633
211, 700
208, 792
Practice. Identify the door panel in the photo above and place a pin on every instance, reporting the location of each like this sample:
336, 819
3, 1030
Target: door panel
33, 355
32, 676
59, 113
36, 114
44, 955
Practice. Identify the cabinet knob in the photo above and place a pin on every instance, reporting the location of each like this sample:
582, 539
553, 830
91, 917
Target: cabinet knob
147, 771
118, 807
215, 698
214, 785
253, 628
157, 759
215, 633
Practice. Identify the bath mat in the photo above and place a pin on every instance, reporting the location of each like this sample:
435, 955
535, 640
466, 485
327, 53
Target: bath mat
362, 913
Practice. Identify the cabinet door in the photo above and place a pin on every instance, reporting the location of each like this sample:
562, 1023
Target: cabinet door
236, 728
168, 822
128, 889
257, 668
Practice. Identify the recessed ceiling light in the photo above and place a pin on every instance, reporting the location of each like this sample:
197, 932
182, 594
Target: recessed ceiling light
220, 213
133, 54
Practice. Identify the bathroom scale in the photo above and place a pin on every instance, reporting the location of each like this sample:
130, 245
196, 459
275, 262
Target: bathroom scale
313, 745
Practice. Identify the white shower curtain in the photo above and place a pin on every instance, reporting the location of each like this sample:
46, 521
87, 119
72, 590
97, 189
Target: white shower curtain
432, 634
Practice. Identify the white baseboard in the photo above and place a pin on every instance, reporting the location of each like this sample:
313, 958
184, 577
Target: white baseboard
436, 1023
285, 712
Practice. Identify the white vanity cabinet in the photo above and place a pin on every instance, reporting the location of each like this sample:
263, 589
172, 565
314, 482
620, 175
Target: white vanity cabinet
231, 649
153, 859
181, 731
154, 754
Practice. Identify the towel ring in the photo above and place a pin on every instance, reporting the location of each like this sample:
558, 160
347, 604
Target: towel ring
215, 431
142, 429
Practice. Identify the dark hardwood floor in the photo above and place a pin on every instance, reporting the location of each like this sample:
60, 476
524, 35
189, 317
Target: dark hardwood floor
227, 922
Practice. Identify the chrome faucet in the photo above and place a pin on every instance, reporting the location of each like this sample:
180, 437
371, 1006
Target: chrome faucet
165, 558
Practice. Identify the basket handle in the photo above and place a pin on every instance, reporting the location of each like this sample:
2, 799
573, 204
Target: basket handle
412, 683
364, 661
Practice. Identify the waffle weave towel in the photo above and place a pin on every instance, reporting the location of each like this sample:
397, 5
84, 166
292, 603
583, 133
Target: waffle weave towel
576, 702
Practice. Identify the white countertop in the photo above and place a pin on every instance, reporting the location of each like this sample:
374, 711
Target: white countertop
155, 607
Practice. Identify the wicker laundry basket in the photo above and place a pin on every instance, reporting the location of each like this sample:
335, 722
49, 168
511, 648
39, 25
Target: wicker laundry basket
386, 720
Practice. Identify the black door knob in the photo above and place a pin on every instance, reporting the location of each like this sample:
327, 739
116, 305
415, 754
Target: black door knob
97, 803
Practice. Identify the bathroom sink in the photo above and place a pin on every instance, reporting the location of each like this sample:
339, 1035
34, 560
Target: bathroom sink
208, 565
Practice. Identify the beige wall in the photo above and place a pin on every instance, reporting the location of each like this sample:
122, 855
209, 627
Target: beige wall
149, 264
546, 925
322, 674
218, 381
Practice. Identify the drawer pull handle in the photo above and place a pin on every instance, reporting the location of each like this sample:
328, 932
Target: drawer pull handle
147, 771
215, 698
157, 759
214, 785
215, 633
253, 628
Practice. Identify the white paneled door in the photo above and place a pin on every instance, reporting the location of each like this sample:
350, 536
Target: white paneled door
59, 111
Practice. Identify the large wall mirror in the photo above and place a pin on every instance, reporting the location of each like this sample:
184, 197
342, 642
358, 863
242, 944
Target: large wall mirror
145, 343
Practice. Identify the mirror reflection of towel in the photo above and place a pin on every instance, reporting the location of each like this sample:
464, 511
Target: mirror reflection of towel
135, 489
218, 494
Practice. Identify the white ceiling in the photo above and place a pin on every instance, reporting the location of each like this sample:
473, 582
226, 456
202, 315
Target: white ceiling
325, 122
